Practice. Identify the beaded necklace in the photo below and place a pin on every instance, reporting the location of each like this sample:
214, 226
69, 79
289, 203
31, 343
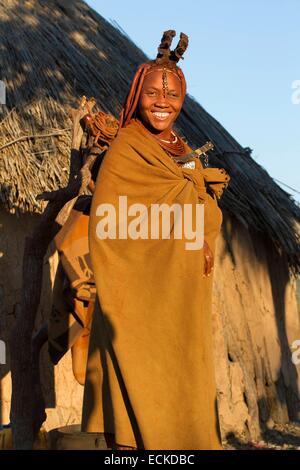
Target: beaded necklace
173, 148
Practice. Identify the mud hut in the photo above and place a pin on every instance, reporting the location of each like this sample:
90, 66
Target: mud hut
52, 53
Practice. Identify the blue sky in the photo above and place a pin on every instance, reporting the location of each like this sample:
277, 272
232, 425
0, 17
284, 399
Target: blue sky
241, 63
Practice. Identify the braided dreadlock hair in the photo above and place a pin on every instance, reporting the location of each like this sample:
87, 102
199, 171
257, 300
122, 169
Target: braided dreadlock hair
166, 59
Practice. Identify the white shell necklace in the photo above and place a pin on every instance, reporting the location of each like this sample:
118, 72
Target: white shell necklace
169, 141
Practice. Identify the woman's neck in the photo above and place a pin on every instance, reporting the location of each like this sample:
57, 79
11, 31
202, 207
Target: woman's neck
165, 134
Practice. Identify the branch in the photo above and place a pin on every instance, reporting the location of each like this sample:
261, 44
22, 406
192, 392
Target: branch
34, 136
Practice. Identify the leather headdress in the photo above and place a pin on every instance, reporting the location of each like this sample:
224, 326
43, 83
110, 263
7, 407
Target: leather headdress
167, 57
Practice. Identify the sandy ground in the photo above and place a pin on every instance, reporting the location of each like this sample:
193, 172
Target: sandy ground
280, 437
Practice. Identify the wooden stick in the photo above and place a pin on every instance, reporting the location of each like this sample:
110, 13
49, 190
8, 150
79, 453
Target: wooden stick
33, 136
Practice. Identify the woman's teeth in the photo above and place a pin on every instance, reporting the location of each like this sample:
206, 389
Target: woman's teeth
161, 116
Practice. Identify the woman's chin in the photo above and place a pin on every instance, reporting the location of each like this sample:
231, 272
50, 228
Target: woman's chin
160, 126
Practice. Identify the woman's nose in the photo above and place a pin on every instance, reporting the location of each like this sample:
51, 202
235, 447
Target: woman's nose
161, 101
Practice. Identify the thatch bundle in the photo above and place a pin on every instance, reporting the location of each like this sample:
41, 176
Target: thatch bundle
53, 52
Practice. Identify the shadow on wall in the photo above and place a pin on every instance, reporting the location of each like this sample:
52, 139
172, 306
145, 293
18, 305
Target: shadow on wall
276, 398
13, 231
287, 381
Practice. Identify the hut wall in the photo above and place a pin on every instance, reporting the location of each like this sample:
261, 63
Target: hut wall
255, 322
62, 393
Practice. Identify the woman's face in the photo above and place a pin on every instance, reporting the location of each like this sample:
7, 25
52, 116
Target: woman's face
159, 106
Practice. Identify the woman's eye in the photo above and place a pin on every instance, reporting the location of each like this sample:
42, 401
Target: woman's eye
151, 93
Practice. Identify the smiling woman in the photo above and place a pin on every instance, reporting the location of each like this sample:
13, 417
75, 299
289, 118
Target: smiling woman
150, 373
160, 102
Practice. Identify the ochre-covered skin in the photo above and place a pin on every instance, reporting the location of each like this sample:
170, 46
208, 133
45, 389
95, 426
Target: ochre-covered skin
150, 372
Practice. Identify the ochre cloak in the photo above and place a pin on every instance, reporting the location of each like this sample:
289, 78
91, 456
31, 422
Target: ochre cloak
150, 372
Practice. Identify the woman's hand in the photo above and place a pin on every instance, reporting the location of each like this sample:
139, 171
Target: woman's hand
208, 259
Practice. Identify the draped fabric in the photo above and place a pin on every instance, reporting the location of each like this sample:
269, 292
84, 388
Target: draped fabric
150, 371
74, 291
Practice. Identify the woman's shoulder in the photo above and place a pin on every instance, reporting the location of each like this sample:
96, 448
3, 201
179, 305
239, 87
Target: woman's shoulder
129, 142
129, 135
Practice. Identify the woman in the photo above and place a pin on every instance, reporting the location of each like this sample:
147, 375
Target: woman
150, 376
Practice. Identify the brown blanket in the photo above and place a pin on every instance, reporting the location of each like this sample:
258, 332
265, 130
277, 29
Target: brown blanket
150, 374
74, 291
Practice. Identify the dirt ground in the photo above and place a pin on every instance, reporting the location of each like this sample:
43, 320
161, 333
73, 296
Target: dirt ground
279, 437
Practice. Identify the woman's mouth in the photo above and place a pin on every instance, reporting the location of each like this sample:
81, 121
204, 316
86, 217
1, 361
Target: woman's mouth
162, 116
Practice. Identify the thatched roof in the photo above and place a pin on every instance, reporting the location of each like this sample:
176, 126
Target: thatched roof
53, 52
